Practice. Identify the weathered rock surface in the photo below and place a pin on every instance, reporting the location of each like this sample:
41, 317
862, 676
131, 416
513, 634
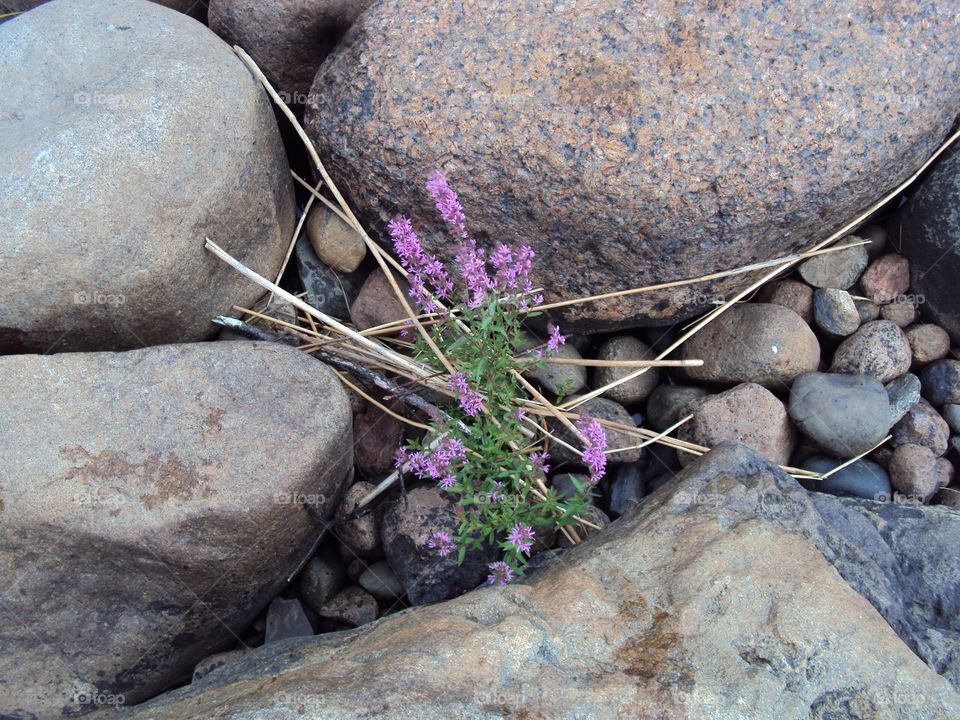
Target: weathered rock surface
194, 8
754, 342
600, 132
288, 39
878, 348
931, 239
149, 136
153, 502
626, 347
710, 598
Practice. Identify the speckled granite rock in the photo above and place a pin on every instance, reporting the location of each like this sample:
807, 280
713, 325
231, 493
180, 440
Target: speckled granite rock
288, 39
153, 503
602, 132
149, 135
709, 600
931, 239
194, 8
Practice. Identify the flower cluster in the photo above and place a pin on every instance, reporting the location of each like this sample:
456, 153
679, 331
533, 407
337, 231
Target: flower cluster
481, 343
593, 454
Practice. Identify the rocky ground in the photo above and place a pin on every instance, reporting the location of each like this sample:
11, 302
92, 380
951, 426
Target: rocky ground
188, 523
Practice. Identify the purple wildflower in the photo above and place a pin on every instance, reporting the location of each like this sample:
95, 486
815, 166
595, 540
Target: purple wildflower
521, 537
520, 414
441, 542
422, 267
495, 495
470, 401
447, 202
448, 481
593, 455
556, 339
473, 269
500, 573
539, 461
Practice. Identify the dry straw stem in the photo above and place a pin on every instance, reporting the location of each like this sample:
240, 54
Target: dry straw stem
293, 240
842, 232
852, 460
587, 362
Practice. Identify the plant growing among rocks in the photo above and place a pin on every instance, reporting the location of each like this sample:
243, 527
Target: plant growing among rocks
486, 451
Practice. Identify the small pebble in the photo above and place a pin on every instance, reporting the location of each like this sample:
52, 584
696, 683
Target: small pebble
565, 486
835, 312
868, 310
839, 270
951, 413
625, 347
359, 535
928, 343
845, 414
912, 472
286, 619
878, 348
887, 278
901, 313
377, 304
862, 478
666, 402
941, 382
792, 294
334, 242
877, 235
329, 291
922, 425
379, 581
626, 489
322, 578
904, 393
554, 378
948, 497
602, 409
354, 606
944, 471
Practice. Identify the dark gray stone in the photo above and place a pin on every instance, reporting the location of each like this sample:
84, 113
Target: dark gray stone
329, 291
627, 488
863, 478
903, 393
286, 619
666, 402
941, 382
380, 581
322, 578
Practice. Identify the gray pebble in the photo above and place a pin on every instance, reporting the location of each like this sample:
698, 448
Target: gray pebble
835, 312
904, 393
862, 478
286, 619
379, 581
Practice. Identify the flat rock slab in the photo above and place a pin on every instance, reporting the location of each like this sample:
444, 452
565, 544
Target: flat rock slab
705, 601
151, 503
636, 143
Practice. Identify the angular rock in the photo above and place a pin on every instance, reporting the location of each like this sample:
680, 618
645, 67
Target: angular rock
878, 348
863, 478
286, 619
322, 577
838, 270
626, 347
749, 414
869, 310
754, 342
931, 240
555, 131
922, 425
408, 523
792, 294
359, 535
627, 489
329, 291
377, 304
901, 312
845, 414
166, 474
288, 40
678, 608
928, 343
903, 393
110, 179
335, 243
601, 409
354, 606
887, 278
913, 472
835, 312
941, 382
667, 402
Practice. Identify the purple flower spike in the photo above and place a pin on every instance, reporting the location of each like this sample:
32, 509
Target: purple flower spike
422, 267
470, 401
442, 543
448, 204
556, 339
500, 573
521, 537
593, 455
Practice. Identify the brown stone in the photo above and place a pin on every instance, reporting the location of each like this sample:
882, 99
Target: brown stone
913, 472
749, 414
793, 294
928, 343
887, 278
352, 605
360, 536
335, 242
923, 425
901, 313
141, 482
878, 348
754, 342
602, 409
288, 39
631, 143
377, 304
636, 390
376, 438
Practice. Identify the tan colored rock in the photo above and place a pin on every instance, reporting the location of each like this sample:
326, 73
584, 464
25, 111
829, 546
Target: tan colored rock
636, 390
928, 343
335, 242
754, 342
748, 414
691, 606
793, 294
377, 304
153, 504
359, 535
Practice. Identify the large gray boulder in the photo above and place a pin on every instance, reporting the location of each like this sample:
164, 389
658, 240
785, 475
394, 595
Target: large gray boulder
130, 133
152, 503
634, 143
712, 599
